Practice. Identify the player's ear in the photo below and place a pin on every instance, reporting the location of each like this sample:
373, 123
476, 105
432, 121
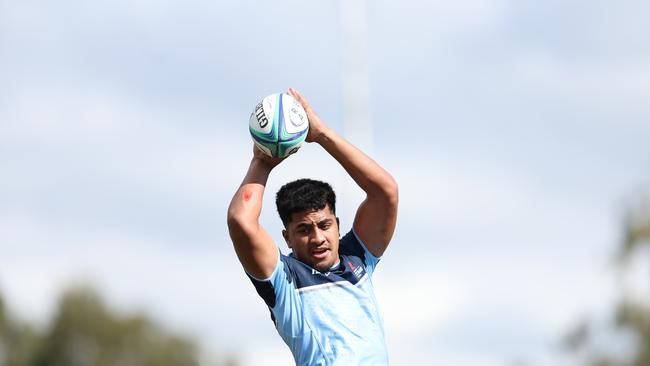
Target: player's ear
338, 225
285, 235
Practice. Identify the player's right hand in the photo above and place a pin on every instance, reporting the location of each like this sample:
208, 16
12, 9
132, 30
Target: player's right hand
261, 156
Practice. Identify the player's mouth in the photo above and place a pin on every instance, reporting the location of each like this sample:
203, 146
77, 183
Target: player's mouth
320, 253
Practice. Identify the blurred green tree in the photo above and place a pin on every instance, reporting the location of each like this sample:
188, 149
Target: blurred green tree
84, 331
18, 342
632, 315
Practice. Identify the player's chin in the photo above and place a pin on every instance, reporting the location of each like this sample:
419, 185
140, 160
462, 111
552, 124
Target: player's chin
323, 263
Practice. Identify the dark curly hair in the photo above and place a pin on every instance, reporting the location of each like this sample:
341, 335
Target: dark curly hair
304, 195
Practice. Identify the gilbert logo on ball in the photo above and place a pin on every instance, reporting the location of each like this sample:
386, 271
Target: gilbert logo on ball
278, 125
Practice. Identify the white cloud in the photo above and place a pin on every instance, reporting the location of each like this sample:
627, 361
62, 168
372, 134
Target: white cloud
429, 17
417, 298
106, 135
619, 84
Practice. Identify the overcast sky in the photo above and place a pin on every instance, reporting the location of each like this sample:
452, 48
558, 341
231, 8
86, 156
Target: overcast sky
517, 131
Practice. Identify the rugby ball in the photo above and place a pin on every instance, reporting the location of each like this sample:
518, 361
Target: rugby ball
278, 125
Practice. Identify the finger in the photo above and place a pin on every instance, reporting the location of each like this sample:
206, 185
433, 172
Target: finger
296, 94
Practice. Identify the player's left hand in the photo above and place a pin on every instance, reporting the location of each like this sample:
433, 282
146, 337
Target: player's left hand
316, 125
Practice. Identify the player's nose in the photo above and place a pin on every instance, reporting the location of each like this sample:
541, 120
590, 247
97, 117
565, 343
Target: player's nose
318, 236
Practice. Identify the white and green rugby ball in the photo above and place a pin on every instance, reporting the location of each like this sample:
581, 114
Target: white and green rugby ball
279, 125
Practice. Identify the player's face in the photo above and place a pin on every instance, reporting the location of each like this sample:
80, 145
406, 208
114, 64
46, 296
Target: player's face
314, 238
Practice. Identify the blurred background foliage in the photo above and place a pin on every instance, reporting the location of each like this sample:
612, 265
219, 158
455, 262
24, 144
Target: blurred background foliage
631, 317
84, 331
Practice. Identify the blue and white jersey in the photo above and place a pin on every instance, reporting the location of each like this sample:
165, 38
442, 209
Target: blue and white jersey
328, 318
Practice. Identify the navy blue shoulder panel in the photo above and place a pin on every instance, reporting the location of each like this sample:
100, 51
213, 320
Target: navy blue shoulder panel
351, 269
265, 288
267, 293
350, 245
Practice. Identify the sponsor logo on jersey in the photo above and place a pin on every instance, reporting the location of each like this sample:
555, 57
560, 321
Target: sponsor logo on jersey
357, 271
314, 272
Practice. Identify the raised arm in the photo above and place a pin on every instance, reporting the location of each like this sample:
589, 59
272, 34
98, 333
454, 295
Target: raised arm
376, 217
253, 245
